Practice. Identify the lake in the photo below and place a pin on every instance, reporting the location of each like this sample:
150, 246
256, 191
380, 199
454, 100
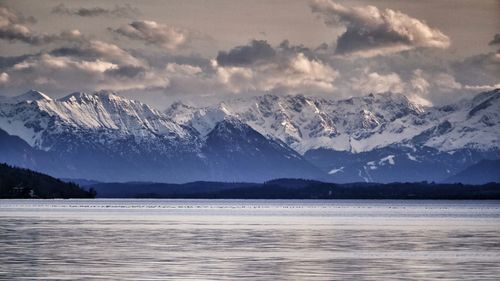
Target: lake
159, 239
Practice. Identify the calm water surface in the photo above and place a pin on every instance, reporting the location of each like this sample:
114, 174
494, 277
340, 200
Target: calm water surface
251, 239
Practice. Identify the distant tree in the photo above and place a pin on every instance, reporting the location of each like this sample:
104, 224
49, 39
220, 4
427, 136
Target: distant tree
24, 183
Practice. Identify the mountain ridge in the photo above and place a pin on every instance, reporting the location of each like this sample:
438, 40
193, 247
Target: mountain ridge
356, 124
104, 136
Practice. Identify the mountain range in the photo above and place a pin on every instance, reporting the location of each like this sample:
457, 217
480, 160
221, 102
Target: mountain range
375, 138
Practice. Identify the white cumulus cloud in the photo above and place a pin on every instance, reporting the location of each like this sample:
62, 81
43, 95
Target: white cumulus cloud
371, 31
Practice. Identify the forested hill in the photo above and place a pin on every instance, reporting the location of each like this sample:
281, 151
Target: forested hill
24, 183
298, 189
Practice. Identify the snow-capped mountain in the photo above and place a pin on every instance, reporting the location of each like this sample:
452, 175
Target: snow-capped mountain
29, 96
382, 137
39, 120
107, 137
473, 124
102, 136
378, 137
357, 124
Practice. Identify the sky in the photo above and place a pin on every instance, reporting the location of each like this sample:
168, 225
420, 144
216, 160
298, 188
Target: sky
159, 52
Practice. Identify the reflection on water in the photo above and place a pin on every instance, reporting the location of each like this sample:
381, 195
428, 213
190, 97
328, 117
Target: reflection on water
257, 239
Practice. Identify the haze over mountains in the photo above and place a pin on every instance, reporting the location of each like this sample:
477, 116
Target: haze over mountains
376, 138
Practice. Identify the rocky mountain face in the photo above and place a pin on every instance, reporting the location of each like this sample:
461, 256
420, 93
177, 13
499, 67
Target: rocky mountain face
379, 137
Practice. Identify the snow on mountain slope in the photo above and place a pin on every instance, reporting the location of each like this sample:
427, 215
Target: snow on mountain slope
202, 120
38, 117
106, 137
305, 123
357, 124
29, 96
474, 124
382, 137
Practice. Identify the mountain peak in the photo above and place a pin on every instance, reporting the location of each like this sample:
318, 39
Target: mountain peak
490, 95
30, 96
99, 97
231, 123
485, 100
230, 128
76, 96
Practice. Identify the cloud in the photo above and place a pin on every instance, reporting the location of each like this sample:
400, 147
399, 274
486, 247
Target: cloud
95, 49
7, 62
243, 70
66, 73
483, 87
4, 78
183, 69
150, 32
13, 27
446, 82
53, 63
496, 40
371, 31
434, 88
423, 78
125, 11
192, 81
86, 65
373, 82
9, 16
257, 68
127, 71
247, 54
77, 62
482, 69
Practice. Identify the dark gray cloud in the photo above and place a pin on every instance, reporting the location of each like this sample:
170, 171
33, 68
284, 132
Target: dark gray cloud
153, 33
72, 52
247, 54
286, 47
7, 62
18, 35
127, 71
260, 51
496, 40
125, 11
371, 31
